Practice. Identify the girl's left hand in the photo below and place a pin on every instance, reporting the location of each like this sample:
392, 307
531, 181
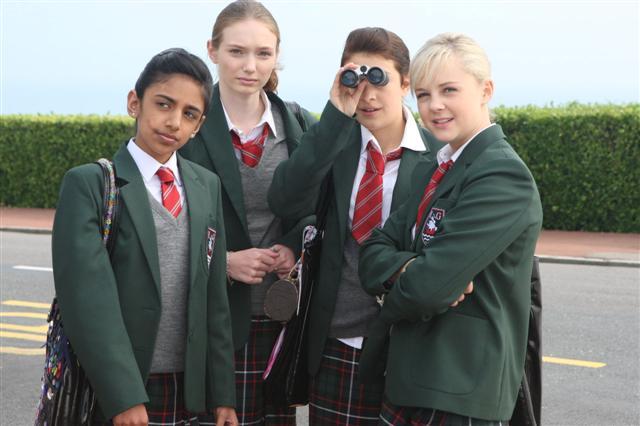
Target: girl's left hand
226, 416
284, 261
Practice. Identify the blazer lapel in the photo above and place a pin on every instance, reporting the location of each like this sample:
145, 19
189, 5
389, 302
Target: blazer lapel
470, 153
215, 132
344, 172
134, 195
404, 187
196, 196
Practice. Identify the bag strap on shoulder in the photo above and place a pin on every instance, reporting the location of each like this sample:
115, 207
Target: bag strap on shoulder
110, 204
296, 109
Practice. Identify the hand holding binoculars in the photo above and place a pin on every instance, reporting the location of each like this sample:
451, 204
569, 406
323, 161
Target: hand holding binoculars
375, 75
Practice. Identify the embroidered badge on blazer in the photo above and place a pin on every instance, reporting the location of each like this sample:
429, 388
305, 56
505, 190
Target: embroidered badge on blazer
431, 224
211, 242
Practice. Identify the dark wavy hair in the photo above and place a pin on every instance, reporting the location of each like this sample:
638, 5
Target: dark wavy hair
176, 61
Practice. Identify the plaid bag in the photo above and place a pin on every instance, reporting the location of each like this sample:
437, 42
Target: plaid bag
66, 396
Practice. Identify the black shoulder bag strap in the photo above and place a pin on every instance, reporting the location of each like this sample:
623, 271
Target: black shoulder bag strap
295, 108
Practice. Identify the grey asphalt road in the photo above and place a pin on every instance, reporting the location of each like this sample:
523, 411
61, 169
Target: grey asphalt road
591, 313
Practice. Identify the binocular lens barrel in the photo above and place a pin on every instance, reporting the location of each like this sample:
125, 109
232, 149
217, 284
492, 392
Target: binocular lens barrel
375, 75
349, 78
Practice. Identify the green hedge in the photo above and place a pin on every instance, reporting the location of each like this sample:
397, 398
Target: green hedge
586, 162
36, 151
585, 159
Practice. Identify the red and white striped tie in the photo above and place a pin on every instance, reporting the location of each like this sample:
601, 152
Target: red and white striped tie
170, 194
367, 214
250, 151
436, 177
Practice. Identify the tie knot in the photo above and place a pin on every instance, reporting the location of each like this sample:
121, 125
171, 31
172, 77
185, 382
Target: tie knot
376, 160
446, 165
396, 154
165, 174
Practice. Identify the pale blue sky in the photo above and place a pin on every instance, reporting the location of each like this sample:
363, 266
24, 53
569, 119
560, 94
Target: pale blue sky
83, 56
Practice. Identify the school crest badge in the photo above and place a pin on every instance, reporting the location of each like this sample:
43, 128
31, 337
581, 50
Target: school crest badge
211, 242
431, 224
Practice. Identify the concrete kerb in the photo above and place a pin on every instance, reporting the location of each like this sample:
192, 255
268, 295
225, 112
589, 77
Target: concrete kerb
25, 230
566, 260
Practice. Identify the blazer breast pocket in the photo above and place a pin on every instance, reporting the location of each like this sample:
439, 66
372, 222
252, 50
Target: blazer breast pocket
433, 223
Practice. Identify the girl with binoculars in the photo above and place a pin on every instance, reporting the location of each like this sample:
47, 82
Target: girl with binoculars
369, 143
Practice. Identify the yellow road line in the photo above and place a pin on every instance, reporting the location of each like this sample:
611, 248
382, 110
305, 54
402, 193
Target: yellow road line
21, 351
24, 315
573, 362
40, 329
26, 304
22, 336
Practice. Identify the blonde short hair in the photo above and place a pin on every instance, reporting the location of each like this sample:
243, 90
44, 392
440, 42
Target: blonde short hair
440, 49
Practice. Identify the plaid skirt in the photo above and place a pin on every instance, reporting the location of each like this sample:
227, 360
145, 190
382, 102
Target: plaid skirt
166, 402
415, 416
335, 397
251, 361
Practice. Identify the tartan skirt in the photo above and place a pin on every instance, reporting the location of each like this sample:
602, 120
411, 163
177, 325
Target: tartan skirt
415, 416
251, 362
166, 403
336, 397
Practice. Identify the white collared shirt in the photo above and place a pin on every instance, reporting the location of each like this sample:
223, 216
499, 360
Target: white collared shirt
266, 119
446, 152
411, 139
148, 167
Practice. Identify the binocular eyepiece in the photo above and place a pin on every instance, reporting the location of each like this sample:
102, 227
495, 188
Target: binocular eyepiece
375, 75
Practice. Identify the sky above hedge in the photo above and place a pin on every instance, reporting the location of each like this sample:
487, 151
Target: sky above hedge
83, 56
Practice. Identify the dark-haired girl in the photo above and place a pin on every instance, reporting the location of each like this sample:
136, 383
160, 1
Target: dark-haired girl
150, 326
370, 143
249, 130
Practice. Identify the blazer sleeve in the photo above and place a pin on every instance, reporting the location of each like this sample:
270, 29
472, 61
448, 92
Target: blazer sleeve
88, 295
498, 202
296, 181
220, 367
383, 254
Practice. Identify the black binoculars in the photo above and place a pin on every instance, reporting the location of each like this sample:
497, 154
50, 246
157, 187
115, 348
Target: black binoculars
375, 75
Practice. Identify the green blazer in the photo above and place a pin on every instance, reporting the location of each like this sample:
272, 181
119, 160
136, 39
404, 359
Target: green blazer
467, 360
332, 144
111, 309
212, 148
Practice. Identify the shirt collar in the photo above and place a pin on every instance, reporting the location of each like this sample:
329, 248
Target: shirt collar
445, 153
267, 116
148, 165
411, 138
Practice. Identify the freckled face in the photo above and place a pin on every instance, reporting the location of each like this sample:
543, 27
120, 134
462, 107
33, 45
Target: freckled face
246, 56
169, 113
453, 105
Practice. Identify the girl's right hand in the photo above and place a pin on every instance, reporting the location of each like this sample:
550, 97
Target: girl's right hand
251, 265
345, 98
134, 416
